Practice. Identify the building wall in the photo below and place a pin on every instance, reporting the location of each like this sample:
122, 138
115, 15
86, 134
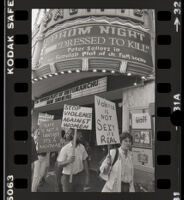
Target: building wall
134, 98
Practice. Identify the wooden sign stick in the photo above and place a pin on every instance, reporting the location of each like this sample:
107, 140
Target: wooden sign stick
73, 153
108, 146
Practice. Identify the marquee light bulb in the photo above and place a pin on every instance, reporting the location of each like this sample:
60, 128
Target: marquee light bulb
77, 70
55, 73
94, 70
112, 71
62, 72
69, 71
50, 75
129, 74
104, 70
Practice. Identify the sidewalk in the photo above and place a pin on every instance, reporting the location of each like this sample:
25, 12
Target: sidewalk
50, 185
95, 185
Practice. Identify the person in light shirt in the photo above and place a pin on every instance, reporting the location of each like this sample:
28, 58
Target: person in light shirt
40, 165
77, 164
120, 175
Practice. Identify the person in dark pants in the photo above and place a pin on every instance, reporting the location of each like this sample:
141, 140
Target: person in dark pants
121, 172
34, 155
59, 168
58, 171
77, 164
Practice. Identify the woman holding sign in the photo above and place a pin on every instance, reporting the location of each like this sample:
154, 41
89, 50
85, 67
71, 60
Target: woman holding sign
74, 163
118, 167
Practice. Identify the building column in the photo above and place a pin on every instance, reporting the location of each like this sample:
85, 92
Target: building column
38, 47
150, 23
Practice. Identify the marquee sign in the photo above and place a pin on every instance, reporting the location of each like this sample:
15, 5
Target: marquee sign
55, 16
93, 87
118, 42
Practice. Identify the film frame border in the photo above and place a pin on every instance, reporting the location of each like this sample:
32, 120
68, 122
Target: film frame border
163, 107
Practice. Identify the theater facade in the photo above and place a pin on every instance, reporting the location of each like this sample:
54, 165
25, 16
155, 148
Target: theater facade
79, 53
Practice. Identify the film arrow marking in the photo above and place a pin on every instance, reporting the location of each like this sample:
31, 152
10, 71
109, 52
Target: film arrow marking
177, 23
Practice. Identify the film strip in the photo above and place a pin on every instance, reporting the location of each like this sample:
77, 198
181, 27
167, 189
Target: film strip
18, 101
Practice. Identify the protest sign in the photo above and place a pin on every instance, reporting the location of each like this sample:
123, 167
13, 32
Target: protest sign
77, 117
50, 136
44, 117
107, 131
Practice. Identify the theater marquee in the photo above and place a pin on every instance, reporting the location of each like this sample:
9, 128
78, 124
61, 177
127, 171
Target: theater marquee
98, 41
92, 87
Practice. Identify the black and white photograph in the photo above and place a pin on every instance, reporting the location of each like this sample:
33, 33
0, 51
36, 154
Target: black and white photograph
93, 100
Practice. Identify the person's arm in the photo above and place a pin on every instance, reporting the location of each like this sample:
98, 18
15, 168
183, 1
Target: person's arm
66, 162
107, 164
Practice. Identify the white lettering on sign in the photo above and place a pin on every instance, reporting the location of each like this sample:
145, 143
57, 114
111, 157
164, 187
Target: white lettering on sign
77, 117
93, 87
141, 121
107, 131
44, 117
50, 136
98, 40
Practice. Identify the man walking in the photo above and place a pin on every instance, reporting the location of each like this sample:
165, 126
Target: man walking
75, 164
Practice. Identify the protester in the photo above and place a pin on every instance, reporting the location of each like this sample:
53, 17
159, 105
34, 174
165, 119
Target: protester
59, 168
34, 155
40, 165
75, 164
45, 166
119, 175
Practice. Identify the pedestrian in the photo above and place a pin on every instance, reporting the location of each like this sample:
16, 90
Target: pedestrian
45, 159
59, 168
40, 165
118, 167
34, 155
75, 164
